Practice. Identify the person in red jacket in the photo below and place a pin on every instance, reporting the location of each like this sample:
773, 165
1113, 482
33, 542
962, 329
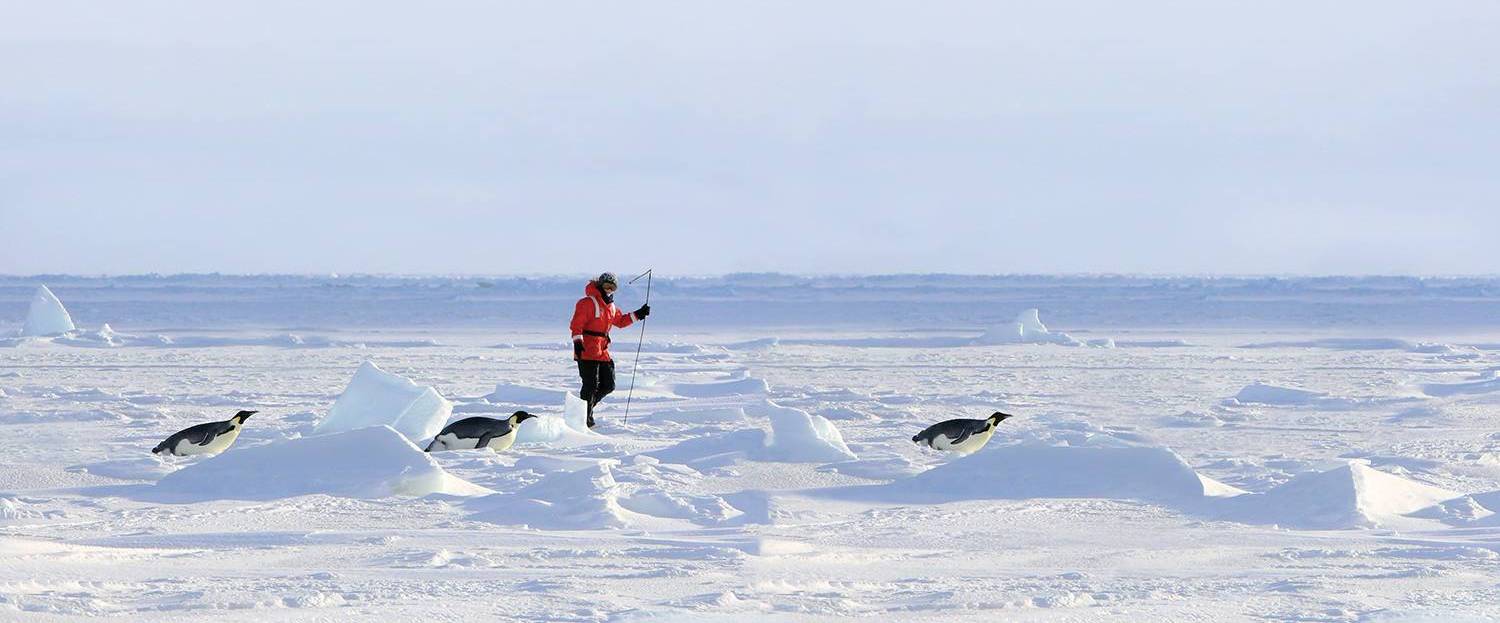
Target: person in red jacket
593, 316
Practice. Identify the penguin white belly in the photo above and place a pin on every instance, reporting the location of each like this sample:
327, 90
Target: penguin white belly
451, 441
219, 444
503, 442
973, 443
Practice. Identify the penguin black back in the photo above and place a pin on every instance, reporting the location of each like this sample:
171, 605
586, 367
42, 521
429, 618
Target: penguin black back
949, 434
478, 430
206, 438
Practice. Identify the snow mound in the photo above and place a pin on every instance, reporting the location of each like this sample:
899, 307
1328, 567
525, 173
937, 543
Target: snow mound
655, 489
1261, 394
710, 451
1059, 471
593, 498
378, 398
525, 394
796, 437
1462, 511
1353, 495
1027, 329
1484, 383
737, 387
370, 462
47, 315
1266, 394
800, 437
584, 499
549, 428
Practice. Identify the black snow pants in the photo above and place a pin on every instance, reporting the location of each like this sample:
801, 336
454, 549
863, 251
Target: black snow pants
598, 381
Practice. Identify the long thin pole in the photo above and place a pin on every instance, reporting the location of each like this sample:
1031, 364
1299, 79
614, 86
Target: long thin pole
641, 341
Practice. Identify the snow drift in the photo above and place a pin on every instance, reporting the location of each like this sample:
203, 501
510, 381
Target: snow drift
1059, 471
583, 499
47, 316
1353, 495
1483, 383
1267, 394
378, 398
1261, 394
371, 462
796, 436
604, 494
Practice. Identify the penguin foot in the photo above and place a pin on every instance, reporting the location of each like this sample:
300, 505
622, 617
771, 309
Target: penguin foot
591, 420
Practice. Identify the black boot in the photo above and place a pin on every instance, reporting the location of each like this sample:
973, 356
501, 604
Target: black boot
591, 415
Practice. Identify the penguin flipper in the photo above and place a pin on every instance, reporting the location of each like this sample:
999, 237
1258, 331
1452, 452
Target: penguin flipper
962, 437
484, 441
213, 433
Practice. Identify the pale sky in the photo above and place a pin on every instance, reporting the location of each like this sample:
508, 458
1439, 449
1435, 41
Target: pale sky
709, 137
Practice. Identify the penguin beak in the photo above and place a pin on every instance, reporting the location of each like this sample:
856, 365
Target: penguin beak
1001, 417
245, 415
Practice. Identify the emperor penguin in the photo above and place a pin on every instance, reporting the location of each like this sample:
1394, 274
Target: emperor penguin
961, 436
473, 433
210, 438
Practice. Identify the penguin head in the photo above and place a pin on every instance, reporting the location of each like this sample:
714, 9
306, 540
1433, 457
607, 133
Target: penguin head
239, 418
998, 417
520, 416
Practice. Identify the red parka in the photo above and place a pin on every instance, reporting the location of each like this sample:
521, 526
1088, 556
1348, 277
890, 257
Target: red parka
592, 320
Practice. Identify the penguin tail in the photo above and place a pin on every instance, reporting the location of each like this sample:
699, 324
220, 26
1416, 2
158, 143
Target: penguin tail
159, 448
430, 445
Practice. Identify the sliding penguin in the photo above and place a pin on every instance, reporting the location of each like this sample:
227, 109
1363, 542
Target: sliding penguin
210, 438
479, 432
961, 436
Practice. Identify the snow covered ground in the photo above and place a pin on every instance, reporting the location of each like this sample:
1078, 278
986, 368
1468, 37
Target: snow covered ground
1310, 450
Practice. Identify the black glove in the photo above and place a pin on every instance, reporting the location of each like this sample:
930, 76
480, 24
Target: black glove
640, 314
577, 350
